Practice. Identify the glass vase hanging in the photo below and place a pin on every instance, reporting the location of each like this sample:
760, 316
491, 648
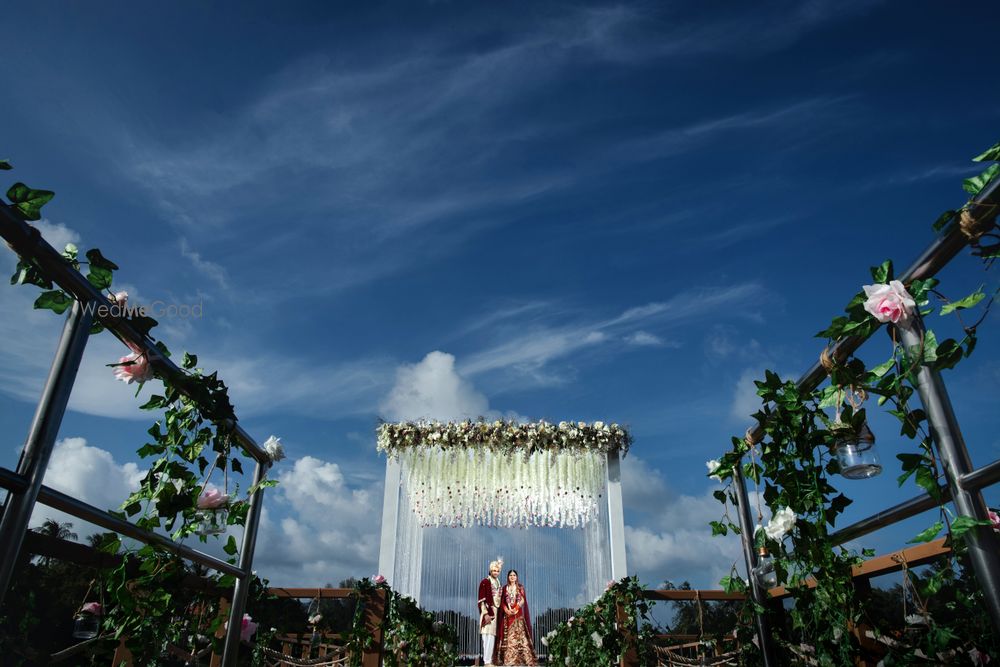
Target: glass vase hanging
212, 513
87, 621
854, 449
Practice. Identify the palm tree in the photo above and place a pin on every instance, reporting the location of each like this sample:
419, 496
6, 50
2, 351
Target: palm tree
52, 528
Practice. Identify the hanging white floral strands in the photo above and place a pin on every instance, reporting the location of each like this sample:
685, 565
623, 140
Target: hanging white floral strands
503, 474
468, 487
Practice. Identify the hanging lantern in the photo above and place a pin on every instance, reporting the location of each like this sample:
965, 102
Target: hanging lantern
854, 449
87, 622
213, 512
764, 572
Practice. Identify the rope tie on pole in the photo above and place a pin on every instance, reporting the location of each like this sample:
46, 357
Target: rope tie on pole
972, 226
827, 361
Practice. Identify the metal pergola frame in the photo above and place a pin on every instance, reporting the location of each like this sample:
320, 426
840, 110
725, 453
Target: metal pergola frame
24, 486
963, 481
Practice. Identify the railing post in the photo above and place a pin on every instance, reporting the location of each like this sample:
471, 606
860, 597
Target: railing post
375, 611
983, 543
758, 594
41, 438
232, 646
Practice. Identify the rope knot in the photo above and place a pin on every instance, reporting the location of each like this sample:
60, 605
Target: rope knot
973, 226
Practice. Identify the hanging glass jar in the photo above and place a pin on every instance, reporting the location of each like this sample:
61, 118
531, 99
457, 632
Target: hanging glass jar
764, 572
854, 449
213, 512
87, 621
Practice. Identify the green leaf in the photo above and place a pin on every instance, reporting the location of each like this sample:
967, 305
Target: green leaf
964, 524
5, 165
990, 154
236, 466
101, 269
718, 528
29, 202
976, 184
28, 273
143, 323
230, 547
943, 220
962, 304
923, 536
189, 361
883, 272
883, 368
55, 300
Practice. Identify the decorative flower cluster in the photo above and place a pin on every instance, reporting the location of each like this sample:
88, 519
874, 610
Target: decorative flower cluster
466, 487
503, 436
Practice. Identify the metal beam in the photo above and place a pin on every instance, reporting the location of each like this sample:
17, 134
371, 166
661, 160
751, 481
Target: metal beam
41, 439
27, 242
11, 481
78, 508
757, 592
242, 588
982, 541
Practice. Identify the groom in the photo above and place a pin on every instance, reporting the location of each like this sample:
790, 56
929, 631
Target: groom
489, 603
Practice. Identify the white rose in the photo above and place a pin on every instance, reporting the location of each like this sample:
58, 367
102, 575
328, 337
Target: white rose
712, 466
599, 425
597, 639
275, 450
780, 524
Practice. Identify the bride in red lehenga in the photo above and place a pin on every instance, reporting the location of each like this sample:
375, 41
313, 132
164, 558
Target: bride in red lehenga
514, 643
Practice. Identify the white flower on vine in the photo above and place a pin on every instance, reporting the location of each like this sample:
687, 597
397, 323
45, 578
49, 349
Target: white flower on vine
780, 524
712, 466
275, 450
597, 639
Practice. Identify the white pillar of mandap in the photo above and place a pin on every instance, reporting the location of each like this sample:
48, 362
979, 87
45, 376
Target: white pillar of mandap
616, 517
390, 516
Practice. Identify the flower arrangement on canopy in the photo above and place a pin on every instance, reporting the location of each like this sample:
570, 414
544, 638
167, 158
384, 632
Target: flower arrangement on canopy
503, 473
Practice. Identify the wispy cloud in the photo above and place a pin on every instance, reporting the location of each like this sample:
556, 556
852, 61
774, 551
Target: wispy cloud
527, 350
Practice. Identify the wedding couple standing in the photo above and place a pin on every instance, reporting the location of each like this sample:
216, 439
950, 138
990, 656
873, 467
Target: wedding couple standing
504, 621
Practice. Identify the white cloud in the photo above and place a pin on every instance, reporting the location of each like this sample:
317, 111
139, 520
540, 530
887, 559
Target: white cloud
527, 350
317, 527
433, 389
210, 270
90, 474
745, 398
646, 339
667, 535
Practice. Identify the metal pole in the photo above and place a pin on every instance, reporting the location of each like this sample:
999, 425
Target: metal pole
390, 514
41, 439
983, 543
240, 591
616, 517
758, 594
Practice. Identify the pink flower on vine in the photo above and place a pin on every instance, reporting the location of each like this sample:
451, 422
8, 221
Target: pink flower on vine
134, 368
211, 499
93, 608
247, 628
889, 303
995, 520
378, 579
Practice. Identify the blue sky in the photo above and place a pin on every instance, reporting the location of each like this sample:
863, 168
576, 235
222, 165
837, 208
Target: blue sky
575, 211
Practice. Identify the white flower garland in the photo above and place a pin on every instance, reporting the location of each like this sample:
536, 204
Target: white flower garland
504, 436
467, 487
503, 473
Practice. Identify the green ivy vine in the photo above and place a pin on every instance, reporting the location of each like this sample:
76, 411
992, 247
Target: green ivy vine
793, 464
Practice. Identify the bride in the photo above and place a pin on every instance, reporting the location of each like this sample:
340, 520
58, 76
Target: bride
515, 645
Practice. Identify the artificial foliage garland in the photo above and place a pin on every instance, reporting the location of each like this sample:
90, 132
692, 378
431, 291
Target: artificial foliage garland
796, 468
149, 591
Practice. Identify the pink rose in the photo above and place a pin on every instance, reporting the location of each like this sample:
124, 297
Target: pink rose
995, 518
889, 303
378, 579
93, 608
136, 368
120, 299
211, 499
611, 582
248, 628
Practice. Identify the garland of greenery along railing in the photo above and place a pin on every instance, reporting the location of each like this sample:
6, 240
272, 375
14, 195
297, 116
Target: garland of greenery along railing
193, 435
410, 636
602, 631
793, 463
